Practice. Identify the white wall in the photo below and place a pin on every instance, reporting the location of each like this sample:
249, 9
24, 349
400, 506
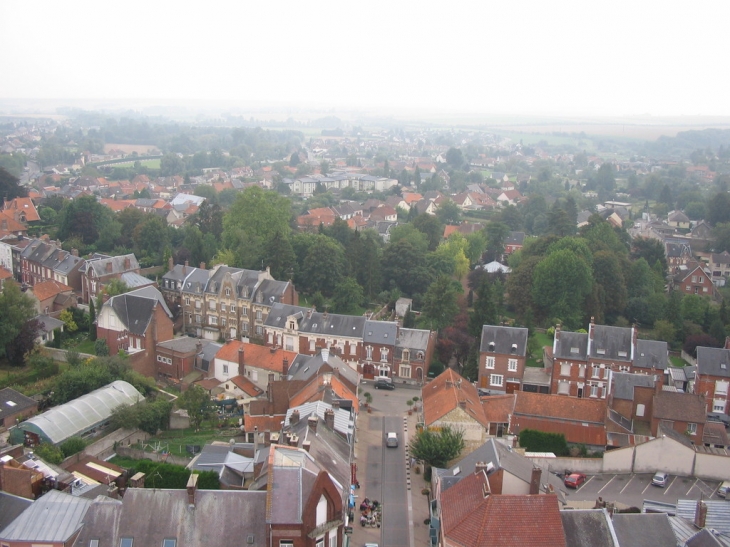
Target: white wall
590, 466
619, 460
513, 485
664, 454
712, 466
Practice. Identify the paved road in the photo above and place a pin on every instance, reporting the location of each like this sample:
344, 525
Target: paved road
396, 524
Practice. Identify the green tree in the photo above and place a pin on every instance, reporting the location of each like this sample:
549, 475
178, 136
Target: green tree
485, 309
72, 446
448, 212
404, 266
431, 227
92, 320
152, 238
650, 249
16, 309
496, 233
90, 221
68, 320
347, 297
455, 158
718, 209
101, 348
10, 187
437, 448
440, 303
49, 453
561, 282
410, 233
198, 404
279, 256
324, 266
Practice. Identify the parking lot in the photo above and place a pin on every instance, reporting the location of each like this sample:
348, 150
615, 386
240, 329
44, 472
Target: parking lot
632, 490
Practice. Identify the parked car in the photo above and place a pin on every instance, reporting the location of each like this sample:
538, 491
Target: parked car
391, 441
724, 489
384, 383
574, 480
660, 479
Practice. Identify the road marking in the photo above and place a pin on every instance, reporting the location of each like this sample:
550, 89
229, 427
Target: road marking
624, 488
605, 485
668, 487
586, 483
647, 486
691, 487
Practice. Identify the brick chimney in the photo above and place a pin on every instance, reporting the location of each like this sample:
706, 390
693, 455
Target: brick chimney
306, 445
294, 418
329, 418
312, 423
109, 267
170, 264
557, 331
185, 268
127, 263
191, 487
535, 480
285, 367
241, 366
592, 326
481, 466
700, 514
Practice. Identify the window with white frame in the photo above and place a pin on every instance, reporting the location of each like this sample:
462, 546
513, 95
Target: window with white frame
369, 353
383, 354
259, 315
211, 305
286, 543
311, 345
718, 405
228, 292
169, 542
564, 369
512, 365
353, 348
496, 380
187, 301
223, 306
244, 311
197, 319
595, 371
244, 327
289, 344
223, 321
213, 320
490, 362
198, 304
404, 371
692, 429
225, 369
721, 387
581, 371
594, 391
563, 388
259, 330
233, 308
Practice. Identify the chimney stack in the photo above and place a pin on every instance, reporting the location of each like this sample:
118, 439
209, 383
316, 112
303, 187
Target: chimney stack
285, 367
202, 265
185, 268
700, 514
293, 440
557, 331
329, 418
535, 480
462, 404
294, 418
241, 366
191, 487
109, 267
481, 466
312, 423
306, 445
170, 264
75, 252
127, 263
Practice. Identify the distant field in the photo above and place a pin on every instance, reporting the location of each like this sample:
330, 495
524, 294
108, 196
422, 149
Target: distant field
150, 164
142, 149
629, 131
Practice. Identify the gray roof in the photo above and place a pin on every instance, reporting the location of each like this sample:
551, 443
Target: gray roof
588, 528
49, 323
55, 517
313, 322
69, 419
118, 265
134, 308
651, 354
515, 238
11, 507
134, 280
344, 421
380, 332
308, 366
184, 344
713, 361
571, 345
625, 382
413, 339
706, 538
224, 518
613, 343
229, 465
644, 529
504, 338
209, 352
12, 402
718, 513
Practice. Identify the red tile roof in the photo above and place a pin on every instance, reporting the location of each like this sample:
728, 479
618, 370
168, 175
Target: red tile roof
256, 356
24, 205
445, 394
49, 289
498, 408
246, 385
472, 520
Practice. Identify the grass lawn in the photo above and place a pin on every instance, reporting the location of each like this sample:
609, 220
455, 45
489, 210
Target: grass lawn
174, 441
677, 361
543, 339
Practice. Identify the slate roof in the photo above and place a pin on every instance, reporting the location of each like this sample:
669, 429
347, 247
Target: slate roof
413, 339
12, 402
614, 343
218, 458
11, 507
100, 266
225, 518
588, 527
713, 362
134, 280
515, 238
134, 308
380, 332
504, 338
681, 407
306, 367
644, 529
54, 517
625, 382
651, 354
570, 345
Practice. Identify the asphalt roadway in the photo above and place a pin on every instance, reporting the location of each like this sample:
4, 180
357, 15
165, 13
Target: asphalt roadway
385, 474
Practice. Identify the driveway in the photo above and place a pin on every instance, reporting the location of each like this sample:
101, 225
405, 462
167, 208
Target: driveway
632, 490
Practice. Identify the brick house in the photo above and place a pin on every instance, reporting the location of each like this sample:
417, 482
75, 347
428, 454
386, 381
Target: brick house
252, 361
391, 350
178, 357
14, 406
683, 412
41, 261
135, 322
51, 296
513, 242
693, 278
502, 358
99, 270
712, 378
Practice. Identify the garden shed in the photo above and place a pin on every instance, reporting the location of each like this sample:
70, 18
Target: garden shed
76, 418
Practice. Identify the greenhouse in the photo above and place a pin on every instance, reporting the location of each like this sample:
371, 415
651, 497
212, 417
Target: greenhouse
75, 418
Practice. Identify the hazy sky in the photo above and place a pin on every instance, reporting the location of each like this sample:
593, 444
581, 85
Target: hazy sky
494, 56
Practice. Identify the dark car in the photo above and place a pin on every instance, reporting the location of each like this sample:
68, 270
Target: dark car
574, 480
384, 383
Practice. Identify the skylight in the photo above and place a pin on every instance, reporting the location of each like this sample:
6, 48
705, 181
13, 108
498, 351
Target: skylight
11, 403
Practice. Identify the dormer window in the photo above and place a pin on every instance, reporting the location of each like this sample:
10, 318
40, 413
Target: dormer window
574, 350
514, 348
601, 351
622, 354
491, 346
